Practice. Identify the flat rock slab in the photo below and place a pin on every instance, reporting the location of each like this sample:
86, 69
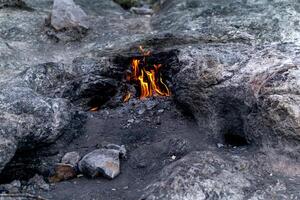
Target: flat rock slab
104, 162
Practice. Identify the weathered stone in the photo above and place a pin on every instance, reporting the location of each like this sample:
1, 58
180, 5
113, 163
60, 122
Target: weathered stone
71, 158
101, 162
205, 175
66, 14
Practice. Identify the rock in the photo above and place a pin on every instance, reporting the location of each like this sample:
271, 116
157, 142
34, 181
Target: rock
8, 148
24, 110
38, 182
130, 121
66, 14
13, 187
160, 110
122, 150
142, 11
150, 104
219, 145
11, 3
101, 162
71, 158
246, 102
141, 111
63, 172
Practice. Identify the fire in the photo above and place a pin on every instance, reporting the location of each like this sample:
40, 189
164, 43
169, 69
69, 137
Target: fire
127, 97
148, 78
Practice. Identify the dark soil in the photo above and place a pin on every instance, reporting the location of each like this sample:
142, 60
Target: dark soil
150, 143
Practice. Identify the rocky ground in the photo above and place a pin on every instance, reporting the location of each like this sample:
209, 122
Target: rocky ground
230, 129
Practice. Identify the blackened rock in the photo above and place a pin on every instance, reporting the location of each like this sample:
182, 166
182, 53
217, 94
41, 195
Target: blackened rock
101, 162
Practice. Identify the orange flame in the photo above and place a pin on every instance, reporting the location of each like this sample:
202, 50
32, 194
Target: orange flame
150, 81
127, 97
94, 109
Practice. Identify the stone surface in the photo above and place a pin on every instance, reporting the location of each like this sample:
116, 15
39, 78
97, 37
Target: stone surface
66, 14
205, 175
71, 158
101, 162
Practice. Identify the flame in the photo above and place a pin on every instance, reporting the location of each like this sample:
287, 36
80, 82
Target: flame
147, 77
127, 97
94, 109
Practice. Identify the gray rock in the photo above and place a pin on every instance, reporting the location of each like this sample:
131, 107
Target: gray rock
205, 175
122, 150
71, 158
13, 187
235, 90
66, 14
38, 182
101, 162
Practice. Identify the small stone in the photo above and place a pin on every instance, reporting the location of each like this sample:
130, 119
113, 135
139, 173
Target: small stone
173, 157
63, 172
71, 158
38, 182
141, 111
219, 145
161, 110
150, 104
130, 120
104, 162
142, 11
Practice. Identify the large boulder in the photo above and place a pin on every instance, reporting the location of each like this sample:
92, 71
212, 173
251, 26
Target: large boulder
238, 89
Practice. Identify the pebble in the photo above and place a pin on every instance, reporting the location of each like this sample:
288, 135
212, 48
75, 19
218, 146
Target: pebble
219, 145
160, 110
71, 158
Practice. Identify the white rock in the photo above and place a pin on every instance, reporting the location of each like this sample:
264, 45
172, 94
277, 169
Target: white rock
104, 162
